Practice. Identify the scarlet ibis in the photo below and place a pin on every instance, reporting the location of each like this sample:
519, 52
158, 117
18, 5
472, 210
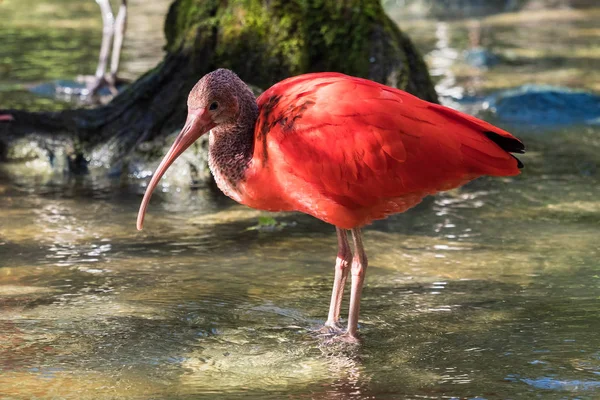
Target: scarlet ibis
343, 149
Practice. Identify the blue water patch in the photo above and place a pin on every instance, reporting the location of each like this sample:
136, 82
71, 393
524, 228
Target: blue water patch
548, 383
545, 105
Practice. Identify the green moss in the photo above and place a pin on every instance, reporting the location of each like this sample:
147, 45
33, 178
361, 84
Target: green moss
266, 41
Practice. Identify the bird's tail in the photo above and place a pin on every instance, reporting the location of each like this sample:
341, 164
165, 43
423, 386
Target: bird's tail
510, 144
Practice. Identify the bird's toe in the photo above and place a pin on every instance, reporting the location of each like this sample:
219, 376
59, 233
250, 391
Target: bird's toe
330, 329
342, 339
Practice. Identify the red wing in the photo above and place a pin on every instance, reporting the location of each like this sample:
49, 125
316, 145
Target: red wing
359, 142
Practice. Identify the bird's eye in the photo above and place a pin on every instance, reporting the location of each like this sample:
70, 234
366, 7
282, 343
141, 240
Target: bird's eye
213, 106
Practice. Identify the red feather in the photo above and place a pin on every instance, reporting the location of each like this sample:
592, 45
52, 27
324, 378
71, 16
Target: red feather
348, 150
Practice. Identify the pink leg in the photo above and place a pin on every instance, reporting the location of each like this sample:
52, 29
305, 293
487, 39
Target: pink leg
119, 32
342, 266
108, 27
359, 270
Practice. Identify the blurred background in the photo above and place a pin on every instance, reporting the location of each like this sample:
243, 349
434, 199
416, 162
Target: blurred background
485, 292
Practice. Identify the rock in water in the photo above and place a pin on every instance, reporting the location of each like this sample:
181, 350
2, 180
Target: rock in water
545, 105
481, 57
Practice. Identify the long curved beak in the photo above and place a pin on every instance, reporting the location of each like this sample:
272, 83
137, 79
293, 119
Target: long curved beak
197, 124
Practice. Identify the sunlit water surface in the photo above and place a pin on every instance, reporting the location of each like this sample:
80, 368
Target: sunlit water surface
489, 292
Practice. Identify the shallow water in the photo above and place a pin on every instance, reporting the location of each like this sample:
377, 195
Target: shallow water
490, 291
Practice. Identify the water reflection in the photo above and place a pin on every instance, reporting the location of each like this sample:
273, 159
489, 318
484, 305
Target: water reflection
204, 305
539, 46
442, 59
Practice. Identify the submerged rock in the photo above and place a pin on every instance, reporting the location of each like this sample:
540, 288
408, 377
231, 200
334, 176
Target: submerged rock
481, 57
545, 105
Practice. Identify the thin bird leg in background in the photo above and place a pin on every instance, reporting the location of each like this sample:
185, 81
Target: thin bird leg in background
342, 266
119, 32
107, 34
359, 270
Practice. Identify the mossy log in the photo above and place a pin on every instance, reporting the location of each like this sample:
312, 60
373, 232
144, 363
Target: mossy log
263, 41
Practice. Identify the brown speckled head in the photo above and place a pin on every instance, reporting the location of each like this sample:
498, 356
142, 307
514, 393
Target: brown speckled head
223, 102
220, 93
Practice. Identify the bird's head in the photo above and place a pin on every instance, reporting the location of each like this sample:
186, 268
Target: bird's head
214, 100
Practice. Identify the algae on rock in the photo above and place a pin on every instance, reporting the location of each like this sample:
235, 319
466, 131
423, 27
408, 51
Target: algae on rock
264, 42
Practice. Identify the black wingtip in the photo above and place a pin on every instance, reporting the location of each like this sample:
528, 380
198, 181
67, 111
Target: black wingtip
520, 165
508, 144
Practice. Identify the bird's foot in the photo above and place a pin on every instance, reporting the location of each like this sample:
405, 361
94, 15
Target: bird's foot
330, 329
344, 338
94, 84
333, 334
111, 82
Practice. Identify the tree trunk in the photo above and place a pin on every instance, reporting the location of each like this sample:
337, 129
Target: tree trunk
263, 41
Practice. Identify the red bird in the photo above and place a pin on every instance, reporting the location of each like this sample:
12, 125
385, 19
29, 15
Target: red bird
342, 149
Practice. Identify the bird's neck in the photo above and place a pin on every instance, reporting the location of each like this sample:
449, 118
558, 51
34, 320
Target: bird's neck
231, 146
